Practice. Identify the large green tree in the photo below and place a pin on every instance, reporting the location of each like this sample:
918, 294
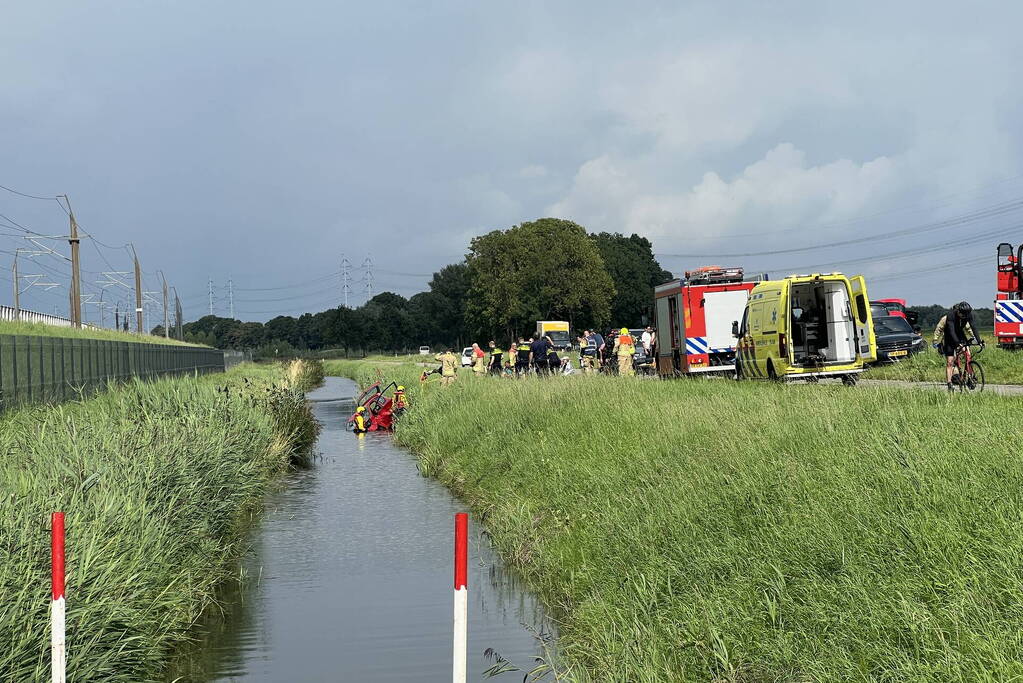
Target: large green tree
547, 269
449, 287
631, 264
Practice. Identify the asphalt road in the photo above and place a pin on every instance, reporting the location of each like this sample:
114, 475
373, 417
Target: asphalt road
1000, 389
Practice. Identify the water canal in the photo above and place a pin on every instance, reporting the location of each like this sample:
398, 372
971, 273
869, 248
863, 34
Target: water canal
350, 577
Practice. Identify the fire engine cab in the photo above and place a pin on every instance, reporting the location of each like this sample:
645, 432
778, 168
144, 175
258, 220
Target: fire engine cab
694, 318
1009, 298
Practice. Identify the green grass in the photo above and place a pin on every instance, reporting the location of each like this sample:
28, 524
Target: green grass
41, 330
1000, 367
157, 480
720, 531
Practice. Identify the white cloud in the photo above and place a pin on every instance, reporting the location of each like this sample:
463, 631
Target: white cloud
780, 189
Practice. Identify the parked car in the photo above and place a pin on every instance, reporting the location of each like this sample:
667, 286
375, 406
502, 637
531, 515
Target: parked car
424, 350
896, 339
467, 357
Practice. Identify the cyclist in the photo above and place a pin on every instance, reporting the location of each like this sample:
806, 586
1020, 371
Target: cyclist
955, 329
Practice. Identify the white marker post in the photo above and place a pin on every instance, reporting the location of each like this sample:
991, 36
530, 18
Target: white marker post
461, 596
58, 649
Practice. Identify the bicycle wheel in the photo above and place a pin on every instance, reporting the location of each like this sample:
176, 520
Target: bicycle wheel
975, 380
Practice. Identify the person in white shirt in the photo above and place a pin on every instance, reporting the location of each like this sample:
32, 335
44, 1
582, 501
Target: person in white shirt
647, 339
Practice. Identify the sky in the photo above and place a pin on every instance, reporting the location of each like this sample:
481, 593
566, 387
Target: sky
264, 143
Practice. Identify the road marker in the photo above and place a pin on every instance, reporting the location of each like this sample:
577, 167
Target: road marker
461, 596
58, 646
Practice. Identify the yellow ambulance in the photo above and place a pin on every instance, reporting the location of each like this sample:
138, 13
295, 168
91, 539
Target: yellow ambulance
806, 327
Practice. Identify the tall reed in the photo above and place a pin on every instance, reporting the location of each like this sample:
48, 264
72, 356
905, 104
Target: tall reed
157, 480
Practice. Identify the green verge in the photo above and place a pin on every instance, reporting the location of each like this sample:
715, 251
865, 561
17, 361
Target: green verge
1000, 367
41, 330
157, 481
713, 530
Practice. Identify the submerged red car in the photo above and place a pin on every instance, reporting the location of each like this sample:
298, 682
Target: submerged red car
379, 405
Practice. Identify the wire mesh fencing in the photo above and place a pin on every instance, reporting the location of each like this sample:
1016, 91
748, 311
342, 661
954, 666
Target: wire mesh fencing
36, 369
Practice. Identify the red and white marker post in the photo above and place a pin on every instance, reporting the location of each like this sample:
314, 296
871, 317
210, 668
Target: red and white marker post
461, 596
58, 649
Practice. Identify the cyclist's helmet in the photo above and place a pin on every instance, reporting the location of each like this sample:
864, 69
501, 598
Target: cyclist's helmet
963, 308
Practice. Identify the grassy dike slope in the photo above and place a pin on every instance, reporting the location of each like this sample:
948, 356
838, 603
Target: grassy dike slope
722, 531
42, 330
155, 479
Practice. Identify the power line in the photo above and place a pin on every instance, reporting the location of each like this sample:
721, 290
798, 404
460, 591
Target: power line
990, 212
30, 196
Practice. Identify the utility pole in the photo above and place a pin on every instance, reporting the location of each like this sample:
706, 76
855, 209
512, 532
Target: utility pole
76, 284
211, 296
17, 307
177, 315
346, 278
367, 266
117, 315
138, 291
230, 296
166, 320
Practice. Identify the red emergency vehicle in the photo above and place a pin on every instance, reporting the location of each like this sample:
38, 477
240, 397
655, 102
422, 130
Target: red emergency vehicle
1009, 298
694, 317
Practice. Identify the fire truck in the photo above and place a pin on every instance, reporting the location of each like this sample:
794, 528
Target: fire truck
1009, 298
694, 317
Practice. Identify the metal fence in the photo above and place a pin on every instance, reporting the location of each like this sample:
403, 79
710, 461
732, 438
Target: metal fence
233, 358
36, 368
10, 314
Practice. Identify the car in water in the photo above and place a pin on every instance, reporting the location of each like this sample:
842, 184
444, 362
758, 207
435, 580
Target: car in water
896, 339
467, 357
424, 350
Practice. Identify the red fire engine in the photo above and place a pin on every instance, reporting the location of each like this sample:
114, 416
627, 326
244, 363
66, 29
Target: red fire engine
694, 318
1009, 299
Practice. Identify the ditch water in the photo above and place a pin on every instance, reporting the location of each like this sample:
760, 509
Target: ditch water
350, 577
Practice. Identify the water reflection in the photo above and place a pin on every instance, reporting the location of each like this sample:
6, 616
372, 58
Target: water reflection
350, 577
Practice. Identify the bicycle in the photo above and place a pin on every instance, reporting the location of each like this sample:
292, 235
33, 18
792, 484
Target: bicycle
968, 374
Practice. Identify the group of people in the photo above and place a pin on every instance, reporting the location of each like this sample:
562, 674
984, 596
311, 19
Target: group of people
539, 355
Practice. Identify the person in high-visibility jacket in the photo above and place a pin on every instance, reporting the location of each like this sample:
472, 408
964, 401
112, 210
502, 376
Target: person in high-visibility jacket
359, 424
522, 357
400, 401
479, 363
625, 349
496, 354
448, 366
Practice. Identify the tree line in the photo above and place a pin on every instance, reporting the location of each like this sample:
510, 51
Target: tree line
548, 269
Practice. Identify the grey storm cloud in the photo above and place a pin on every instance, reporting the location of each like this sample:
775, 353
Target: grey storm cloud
264, 142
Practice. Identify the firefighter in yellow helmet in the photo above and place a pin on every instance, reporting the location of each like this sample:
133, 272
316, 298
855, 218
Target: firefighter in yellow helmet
359, 424
448, 366
625, 349
400, 401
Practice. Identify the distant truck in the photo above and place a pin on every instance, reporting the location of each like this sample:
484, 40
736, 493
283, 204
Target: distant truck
557, 330
693, 317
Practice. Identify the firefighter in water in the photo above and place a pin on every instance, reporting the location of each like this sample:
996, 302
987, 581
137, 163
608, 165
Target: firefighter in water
400, 401
625, 349
496, 354
359, 424
448, 366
